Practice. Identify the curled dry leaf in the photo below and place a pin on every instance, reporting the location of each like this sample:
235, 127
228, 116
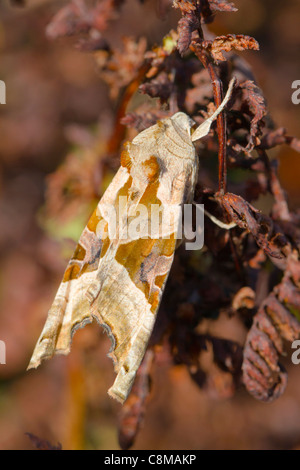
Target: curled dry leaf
186, 26
244, 298
72, 19
275, 322
278, 137
253, 96
77, 17
119, 67
186, 6
226, 43
221, 5
161, 86
263, 229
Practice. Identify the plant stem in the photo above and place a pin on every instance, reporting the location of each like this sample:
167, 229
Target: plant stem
221, 122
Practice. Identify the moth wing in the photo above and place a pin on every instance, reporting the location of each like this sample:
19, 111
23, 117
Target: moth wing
127, 301
71, 308
131, 279
121, 284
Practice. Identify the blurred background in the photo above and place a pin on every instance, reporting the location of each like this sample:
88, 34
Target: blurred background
59, 112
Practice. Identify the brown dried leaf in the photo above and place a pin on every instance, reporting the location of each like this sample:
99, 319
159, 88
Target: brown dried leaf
119, 67
227, 43
221, 5
186, 6
278, 137
263, 375
262, 228
244, 298
72, 19
77, 18
253, 96
159, 87
186, 26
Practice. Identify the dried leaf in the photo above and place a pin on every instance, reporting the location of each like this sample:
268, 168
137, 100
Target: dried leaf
186, 26
263, 229
278, 137
186, 6
119, 67
263, 375
253, 96
159, 87
77, 17
244, 298
227, 43
221, 5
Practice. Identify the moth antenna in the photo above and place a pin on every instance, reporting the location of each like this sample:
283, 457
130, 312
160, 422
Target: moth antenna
204, 128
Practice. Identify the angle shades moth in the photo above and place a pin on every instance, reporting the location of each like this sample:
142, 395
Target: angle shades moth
119, 280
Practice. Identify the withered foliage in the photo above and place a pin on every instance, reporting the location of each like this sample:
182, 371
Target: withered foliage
228, 43
81, 16
274, 323
224, 279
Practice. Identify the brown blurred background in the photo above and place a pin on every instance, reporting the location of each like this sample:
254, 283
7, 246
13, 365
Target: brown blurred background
56, 105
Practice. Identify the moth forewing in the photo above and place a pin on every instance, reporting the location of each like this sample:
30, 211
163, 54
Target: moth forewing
116, 275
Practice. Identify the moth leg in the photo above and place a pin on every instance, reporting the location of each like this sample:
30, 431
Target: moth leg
204, 128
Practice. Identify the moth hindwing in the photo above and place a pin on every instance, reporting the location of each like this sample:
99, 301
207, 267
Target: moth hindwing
120, 266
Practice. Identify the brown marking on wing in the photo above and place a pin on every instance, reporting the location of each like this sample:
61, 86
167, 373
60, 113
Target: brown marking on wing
126, 159
124, 191
72, 271
87, 252
150, 195
93, 221
148, 263
151, 169
105, 242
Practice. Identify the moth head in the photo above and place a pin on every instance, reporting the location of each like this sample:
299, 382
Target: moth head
182, 124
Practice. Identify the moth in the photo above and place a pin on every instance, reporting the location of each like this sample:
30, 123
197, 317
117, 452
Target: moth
116, 277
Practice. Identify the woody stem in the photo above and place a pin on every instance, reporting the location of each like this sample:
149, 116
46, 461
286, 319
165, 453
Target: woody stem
221, 122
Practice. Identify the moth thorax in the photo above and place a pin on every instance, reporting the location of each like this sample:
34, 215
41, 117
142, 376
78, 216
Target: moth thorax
182, 124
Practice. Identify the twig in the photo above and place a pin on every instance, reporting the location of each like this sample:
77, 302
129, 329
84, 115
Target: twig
221, 122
